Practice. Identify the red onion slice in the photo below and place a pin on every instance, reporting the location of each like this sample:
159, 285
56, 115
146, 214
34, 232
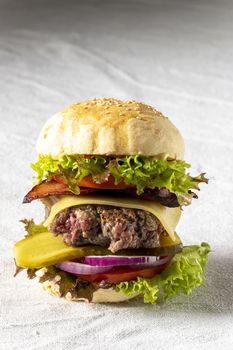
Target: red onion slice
81, 269
132, 261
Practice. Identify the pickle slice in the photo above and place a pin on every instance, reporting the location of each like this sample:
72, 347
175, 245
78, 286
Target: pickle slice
45, 249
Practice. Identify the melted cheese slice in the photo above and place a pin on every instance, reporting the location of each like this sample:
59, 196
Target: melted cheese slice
169, 217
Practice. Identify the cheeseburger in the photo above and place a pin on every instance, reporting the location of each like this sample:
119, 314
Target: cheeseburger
113, 180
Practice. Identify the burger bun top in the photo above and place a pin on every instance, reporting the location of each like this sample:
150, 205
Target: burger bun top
107, 126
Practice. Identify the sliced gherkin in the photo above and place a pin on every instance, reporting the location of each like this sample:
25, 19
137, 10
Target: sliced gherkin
45, 249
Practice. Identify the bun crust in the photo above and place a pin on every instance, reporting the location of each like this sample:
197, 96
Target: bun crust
100, 296
107, 126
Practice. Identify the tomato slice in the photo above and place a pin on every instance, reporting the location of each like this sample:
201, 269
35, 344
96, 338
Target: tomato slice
109, 184
88, 182
121, 274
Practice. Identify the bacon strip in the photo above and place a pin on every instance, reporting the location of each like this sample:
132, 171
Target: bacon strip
58, 187
50, 188
163, 196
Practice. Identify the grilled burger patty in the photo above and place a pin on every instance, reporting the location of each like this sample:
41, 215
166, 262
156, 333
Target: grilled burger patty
108, 226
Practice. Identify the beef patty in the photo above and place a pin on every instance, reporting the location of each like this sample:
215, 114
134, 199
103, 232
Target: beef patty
108, 226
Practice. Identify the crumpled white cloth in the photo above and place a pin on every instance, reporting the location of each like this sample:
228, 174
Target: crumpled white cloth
175, 55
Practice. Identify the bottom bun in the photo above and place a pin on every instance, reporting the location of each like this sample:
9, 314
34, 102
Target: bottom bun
110, 296
101, 295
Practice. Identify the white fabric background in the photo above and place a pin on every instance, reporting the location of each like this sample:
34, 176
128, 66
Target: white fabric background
176, 55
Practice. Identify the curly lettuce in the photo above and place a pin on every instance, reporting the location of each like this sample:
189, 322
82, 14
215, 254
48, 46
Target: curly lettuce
31, 228
73, 168
140, 171
185, 272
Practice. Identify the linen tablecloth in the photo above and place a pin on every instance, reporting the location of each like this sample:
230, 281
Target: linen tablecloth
177, 56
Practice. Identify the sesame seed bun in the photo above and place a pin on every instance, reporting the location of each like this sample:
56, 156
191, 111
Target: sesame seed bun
107, 126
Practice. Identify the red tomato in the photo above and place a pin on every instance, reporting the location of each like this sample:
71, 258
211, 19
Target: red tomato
109, 184
87, 181
120, 274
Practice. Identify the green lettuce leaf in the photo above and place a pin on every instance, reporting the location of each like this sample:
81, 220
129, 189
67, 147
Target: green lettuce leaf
73, 168
185, 272
140, 171
146, 172
31, 228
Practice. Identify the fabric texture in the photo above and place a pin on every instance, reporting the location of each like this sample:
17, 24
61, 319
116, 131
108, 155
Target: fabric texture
175, 55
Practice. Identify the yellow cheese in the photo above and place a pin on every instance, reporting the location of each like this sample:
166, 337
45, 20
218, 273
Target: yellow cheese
169, 217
